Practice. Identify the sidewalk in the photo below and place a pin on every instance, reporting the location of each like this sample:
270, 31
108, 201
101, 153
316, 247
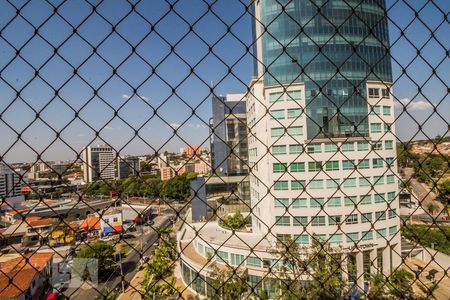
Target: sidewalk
443, 280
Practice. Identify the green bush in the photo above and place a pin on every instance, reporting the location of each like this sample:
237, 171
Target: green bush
438, 236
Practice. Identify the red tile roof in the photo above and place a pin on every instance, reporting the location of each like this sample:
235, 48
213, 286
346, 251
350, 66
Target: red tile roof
91, 223
21, 273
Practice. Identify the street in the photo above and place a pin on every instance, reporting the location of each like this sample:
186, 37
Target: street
129, 266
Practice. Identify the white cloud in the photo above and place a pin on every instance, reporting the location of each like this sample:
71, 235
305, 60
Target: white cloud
144, 98
81, 135
107, 127
198, 126
413, 105
125, 96
175, 125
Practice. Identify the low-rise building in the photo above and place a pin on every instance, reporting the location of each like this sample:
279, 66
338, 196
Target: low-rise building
111, 221
25, 276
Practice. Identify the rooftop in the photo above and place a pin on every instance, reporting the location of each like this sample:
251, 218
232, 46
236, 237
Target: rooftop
212, 233
21, 270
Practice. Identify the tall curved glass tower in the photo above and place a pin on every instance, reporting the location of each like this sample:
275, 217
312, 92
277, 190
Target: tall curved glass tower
333, 47
321, 144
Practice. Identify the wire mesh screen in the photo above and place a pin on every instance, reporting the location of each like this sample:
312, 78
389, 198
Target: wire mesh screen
226, 149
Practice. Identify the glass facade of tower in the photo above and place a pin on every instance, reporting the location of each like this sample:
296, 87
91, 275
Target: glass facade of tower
333, 51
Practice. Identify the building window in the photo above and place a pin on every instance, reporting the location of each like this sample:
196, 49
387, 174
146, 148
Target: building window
351, 219
298, 167
364, 164
281, 185
346, 147
283, 221
282, 202
367, 235
375, 127
386, 110
364, 181
336, 238
222, 256
295, 130
332, 165
316, 202
332, 183
274, 97
392, 230
380, 215
293, 113
379, 198
352, 237
381, 233
330, 147
302, 239
363, 146
295, 95
314, 148
253, 261
299, 203
276, 132
334, 202
378, 180
297, 185
389, 145
385, 93
377, 146
387, 127
377, 163
279, 167
366, 199
376, 110
318, 221
237, 259
349, 182
300, 221
334, 220
391, 196
390, 179
277, 114
314, 166
280, 149
316, 184
348, 165
389, 161
350, 200
392, 213
366, 217
295, 149
374, 93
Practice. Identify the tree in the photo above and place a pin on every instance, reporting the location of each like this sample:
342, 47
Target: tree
234, 222
322, 263
159, 282
107, 294
444, 188
400, 285
178, 187
102, 251
432, 208
228, 284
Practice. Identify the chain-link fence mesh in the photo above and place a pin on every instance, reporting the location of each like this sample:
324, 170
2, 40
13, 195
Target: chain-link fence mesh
313, 159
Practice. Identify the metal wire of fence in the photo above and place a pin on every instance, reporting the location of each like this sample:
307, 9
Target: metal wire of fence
327, 177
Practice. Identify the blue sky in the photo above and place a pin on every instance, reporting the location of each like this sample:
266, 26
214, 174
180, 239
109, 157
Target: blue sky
172, 70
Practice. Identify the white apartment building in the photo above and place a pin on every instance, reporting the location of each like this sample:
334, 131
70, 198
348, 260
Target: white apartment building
99, 162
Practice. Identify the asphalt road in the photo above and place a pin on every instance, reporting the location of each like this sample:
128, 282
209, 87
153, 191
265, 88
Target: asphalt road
130, 266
